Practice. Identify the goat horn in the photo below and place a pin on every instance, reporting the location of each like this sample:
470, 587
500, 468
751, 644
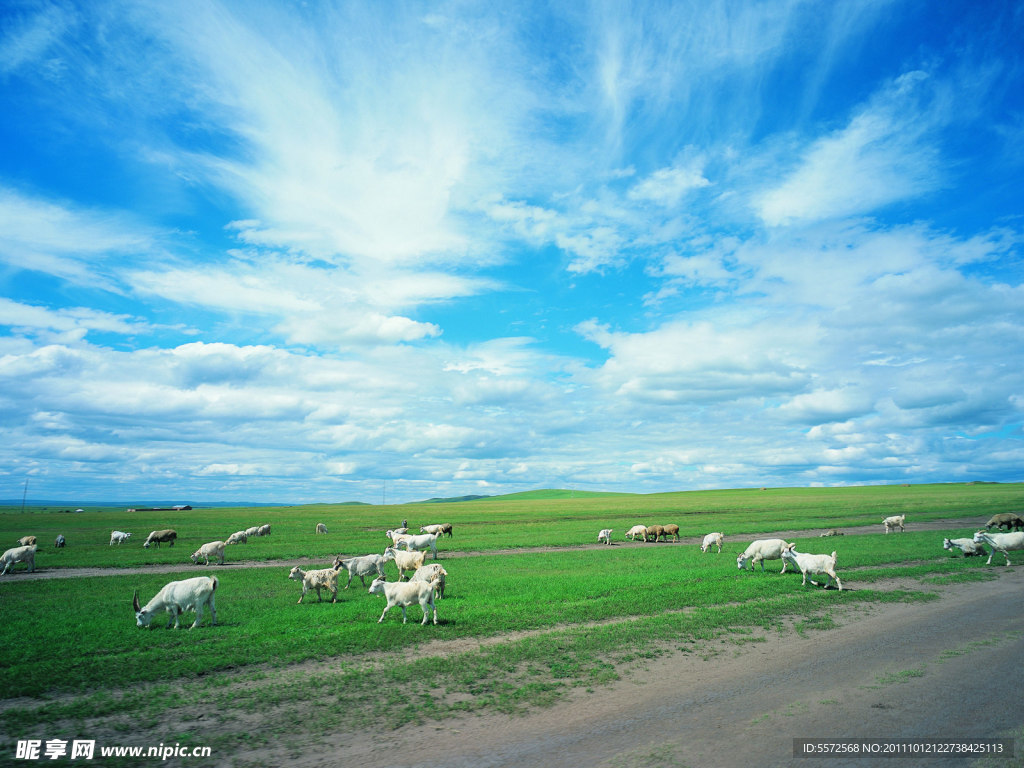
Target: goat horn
135, 601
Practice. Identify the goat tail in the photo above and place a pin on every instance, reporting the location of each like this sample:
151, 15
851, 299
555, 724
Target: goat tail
215, 582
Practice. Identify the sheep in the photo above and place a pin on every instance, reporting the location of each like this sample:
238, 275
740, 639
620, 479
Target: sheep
605, 535
254, 531
156, 537
60, 541
654, 532
967, 546
406, 561
434, 573
321, 528
118, 536
238, 537
213, 549
712, 540
324, 578
431, 528
177, 597
404, 595
27, 541
1009, 519
832, 532
637, 530
263, 530
672, 530
894, 522
1004, 542
423, 541
25, 554
361, 567
812, 564
760, 550
447, 528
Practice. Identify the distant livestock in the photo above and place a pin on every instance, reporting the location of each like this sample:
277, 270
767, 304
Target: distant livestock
969, 547
761, 550
156, 537
254, 531
655, 532
832, 532
672, 530
177, 597
813, 564
712, 540
431, 528
323, 578
321, 528
116, 537
423, 541
238, 537
27, 541
1002, 542
263, 530
447, 528
213, 549
1010, 520
26, 555
637, 530
605, 535
404, 594
894, 522
60, 541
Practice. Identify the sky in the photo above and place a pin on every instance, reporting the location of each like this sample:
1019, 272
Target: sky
388, 251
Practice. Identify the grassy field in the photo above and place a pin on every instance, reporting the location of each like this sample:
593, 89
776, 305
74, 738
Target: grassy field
536, 623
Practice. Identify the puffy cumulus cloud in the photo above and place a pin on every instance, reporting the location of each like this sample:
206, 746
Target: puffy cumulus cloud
667, 186
821, 406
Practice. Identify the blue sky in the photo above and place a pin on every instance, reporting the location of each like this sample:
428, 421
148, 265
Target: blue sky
298, 252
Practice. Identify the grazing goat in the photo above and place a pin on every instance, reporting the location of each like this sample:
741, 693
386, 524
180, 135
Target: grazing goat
813, 564
27, 541
434, 573
422, 542
254, 531
672, 530
404, 595
324, 578
1003, 542
1009, 519
605, 535
213, 549
967, 546
263, 530
436, 528
406, 561
447, 528
712, 540
321, 528
761, 550
637, 530
177, 597
116, 537
894, 522
26, 555
361, 567
156, 537
60, 541
238, 537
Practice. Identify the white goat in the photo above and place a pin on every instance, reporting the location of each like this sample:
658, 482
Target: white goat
324, 578
761, 550
406, 561
27, 541
605, 535
637, 530
967, 546
711, 540
396, 535
321, 528
431, 528
894, 522
116, 537
1003, 542
263, 530
177, 597
254, 531
404, 595
422, 542
361, 567
813, 564
213, 549
238, 537
14, 555
434, 573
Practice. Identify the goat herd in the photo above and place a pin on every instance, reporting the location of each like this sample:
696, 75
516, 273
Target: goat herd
408, 552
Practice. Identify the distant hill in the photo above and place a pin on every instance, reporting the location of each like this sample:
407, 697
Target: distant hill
558, 493
450, 499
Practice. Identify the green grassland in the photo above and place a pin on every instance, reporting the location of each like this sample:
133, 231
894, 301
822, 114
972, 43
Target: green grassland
582, 612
